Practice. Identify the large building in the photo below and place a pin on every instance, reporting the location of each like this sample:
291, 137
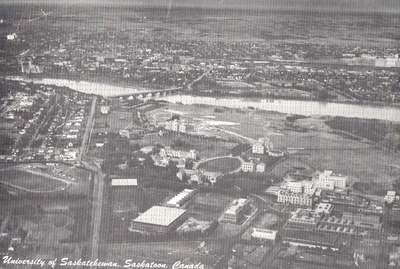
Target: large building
181, 198
258, 148
303, 186
181, 126
159, 219
303, 219
329, 181
264, 234
314, 240
288, 197
180, 154
236, 210
363, 221
248, 167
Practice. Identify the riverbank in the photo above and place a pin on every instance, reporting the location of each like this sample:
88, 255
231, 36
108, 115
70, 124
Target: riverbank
287, 106
298, 107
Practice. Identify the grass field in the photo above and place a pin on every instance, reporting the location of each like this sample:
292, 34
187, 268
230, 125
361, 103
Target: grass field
362, 160
115, 121
223, 165
30, 182
136, 199
208, 206
207, 147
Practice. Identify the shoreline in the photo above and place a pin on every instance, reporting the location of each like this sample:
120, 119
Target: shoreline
126, 89
288, 106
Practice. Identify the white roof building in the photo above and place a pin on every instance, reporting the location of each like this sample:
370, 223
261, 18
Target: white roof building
117, 182
264, 234
160, 215
181, 198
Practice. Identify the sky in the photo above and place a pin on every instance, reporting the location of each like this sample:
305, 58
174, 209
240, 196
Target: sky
322, 5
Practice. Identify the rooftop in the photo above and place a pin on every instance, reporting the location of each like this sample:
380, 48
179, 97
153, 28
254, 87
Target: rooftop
160, 215
236, 205
179, 197
124, 182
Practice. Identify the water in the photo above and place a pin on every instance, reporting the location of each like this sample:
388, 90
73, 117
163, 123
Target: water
300, 107
87, 87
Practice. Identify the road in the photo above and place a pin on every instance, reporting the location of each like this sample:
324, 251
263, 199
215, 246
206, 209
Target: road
98, 184
88, 130
97, 206
189, 86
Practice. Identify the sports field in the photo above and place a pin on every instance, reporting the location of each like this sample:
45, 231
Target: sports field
223, 165
26, 181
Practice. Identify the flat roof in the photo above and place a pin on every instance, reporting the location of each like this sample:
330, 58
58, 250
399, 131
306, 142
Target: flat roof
124, 182
160, 215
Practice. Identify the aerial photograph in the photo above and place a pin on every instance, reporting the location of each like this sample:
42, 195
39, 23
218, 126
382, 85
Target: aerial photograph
200, 134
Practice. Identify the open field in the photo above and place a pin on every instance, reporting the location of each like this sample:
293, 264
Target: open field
115, 121
30, 182
207, 147
136, 199
208, 205
125, 204
223, 165
320, 147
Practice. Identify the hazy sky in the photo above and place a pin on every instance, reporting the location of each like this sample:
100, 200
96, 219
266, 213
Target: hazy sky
335, 5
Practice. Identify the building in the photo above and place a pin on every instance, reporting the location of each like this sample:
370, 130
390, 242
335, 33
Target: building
276, 153
313, 239
264, 234
248, 167
294, 186
179, 154
324, 208
337, 225
172, 125
105, 109
258, 148
308, 187
303, 219
363, 221
260, 168
390, 197
328, 180
122, 182
181, 198
303, 186
176, 125
124, 133
288, 197
211, 177
159, 219
236, 211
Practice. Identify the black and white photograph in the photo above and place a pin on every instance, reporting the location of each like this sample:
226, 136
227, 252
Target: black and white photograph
200, 134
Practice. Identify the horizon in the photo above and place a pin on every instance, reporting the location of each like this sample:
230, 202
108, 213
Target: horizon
339, 6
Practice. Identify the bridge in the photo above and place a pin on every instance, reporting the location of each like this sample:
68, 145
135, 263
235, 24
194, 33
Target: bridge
146, 94
164, 92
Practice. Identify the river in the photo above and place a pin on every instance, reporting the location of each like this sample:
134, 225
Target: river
300, 107
102, 89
